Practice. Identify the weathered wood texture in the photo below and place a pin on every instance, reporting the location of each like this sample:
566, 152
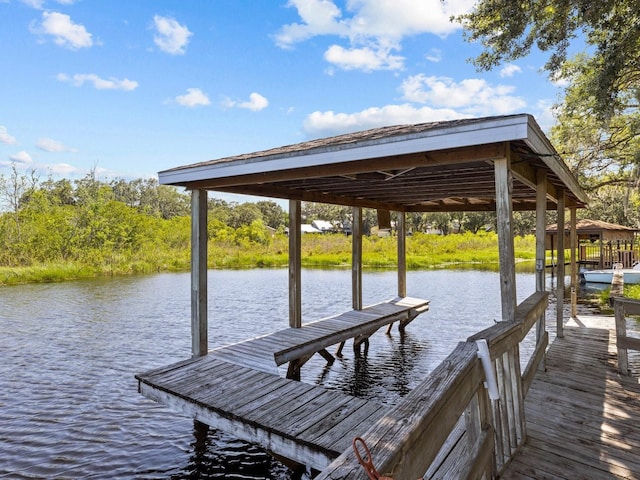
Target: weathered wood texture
504, 223
304, 423
299, 344
582, 416
199, 299
295, 259
560, 266
422, 433
356, 259
622, 308
617, 285
408, 438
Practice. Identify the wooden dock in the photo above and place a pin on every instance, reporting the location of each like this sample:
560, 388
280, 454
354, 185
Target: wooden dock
308, 424
581, 414
239, 390
297, 345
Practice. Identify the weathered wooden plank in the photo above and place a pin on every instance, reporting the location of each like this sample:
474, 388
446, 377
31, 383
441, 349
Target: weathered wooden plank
453, 450
340, 436
323, 405
376, 316
289, 390
579, 413
421, 423
592, 464
560, 266
504, 222
295, 264
535, 360
199, 299
241, 429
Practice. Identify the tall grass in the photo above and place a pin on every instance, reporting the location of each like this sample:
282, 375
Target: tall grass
423, 251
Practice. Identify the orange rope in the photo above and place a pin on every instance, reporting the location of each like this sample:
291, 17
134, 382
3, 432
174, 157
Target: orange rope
366, 461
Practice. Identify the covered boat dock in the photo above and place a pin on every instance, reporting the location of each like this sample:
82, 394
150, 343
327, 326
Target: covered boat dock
600, 244
496, 164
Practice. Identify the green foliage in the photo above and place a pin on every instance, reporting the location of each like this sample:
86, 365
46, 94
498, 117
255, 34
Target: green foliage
508, 31
64, 230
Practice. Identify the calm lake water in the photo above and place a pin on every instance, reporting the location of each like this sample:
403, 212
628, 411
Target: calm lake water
69, 406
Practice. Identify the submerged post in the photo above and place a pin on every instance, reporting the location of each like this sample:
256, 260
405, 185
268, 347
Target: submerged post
504, 186
356, 259
199, 321
560, 276
402, 255
295, 264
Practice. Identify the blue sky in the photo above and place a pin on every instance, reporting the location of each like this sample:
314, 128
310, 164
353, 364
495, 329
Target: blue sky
128, 88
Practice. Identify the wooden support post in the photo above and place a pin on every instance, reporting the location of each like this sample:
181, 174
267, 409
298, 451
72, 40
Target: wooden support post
199, 321
504, 186
402, 255
295, 264
621, 333
573, 240
356, 259
561, 260
541, 226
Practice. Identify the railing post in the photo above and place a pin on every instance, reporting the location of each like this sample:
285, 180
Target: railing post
621, 333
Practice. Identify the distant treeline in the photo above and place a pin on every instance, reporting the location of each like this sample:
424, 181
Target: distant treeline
55, 229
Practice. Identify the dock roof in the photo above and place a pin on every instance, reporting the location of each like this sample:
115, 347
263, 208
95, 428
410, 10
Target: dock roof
426, 167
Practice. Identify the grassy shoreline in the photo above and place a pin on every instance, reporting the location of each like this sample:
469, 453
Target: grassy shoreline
466, 250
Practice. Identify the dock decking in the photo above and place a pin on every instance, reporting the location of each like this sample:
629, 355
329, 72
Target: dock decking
310, 424
296, 345
238, 388
582, 415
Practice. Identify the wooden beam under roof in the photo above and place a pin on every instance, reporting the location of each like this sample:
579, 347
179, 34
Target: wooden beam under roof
444, 157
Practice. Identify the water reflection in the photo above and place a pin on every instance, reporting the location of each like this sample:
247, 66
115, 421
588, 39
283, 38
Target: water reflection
69, 406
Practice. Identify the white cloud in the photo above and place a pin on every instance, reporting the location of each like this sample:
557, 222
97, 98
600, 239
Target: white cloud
319, 17
50, 145
37, 4
332, 123
370, 26
193, 98
64, 32
255, 103
111, 83
471, 96
365, 58
510, 70
434, 55
64, 170
171, 37
545, 114
5, 137
22, 158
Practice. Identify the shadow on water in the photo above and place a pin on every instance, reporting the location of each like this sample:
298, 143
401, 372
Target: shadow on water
214, 455
386, 373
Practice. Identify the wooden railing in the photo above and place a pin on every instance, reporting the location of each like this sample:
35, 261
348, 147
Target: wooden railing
451, 426
623, 307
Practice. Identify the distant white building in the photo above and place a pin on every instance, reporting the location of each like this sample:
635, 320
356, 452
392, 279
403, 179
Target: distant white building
323, 226
309, 228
